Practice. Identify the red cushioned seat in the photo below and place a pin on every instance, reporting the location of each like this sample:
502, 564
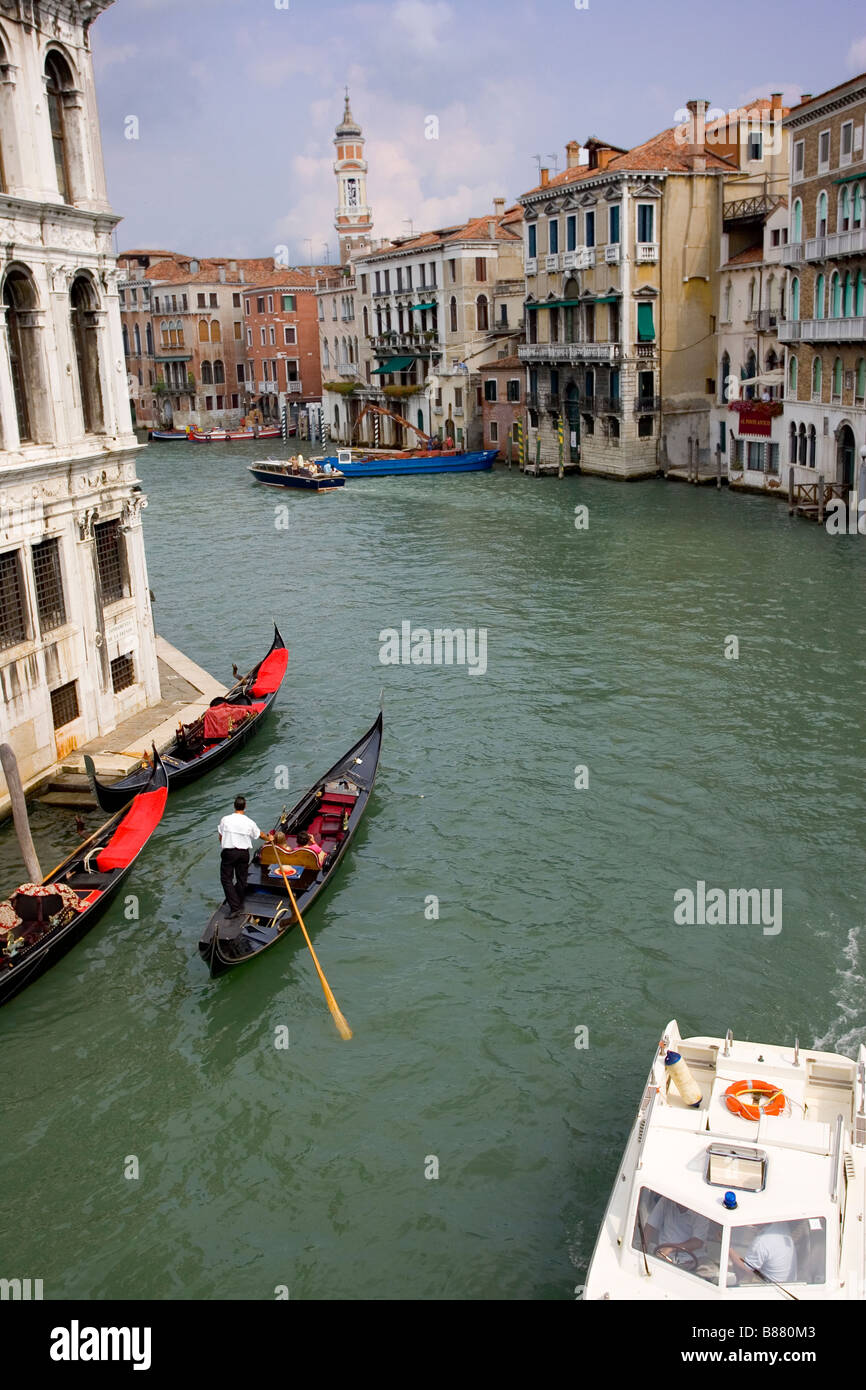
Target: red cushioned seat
137, 826
271, 672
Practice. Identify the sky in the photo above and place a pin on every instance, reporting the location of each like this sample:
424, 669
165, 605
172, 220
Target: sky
235, 101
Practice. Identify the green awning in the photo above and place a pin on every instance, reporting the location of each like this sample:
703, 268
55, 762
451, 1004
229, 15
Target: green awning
608, 299
645, 327
849, 178
422, 306
555, 304
394, 364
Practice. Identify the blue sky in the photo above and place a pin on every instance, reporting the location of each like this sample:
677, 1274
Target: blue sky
236, 100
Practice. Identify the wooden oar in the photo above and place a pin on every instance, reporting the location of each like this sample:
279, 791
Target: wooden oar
342, 1026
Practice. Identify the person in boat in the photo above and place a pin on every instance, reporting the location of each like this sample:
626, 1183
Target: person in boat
306, 841
237, 833
671, 1226
771, 1254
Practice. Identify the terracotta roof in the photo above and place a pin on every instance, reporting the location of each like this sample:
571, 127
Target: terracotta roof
662, 152
509, 362
257, 271
747, 257
476, 229
819, 96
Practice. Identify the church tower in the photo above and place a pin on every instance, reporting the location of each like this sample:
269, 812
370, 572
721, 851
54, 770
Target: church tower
354, 219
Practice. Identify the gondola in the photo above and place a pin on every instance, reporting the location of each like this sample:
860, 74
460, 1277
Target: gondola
227, 725
331, 811
38, 926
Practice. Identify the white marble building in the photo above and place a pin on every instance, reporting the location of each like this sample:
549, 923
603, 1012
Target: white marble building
77, 650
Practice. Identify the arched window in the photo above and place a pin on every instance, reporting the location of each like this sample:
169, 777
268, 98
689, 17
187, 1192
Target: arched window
803, 443
792, 443
125, 341
752, 289
83, 302
837, 377
19, 297
792, 377
206, 374
136, 338
219, 373
795, 298
860, 387
203, 332
797, 221
326, 353
58, 80
481, 312
843, 211
812, 446
726, 303
750, 371
819, 297
857, 218
148, 339
452, 314
816, 378
215, 331
860, 295
821, 215
835, 295
724, 373
848, 301
366, 322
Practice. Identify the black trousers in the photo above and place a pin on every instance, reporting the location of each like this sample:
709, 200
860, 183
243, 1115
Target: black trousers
234, 867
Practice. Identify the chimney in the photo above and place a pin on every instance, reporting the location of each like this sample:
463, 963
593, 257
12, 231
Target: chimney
499, 206
491, 228
545, 177
696, 147
572, 154
806, 96
222, 274
604, 158
241, 276
775, 99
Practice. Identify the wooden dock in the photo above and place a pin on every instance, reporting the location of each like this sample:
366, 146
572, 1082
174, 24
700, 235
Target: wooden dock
810, 500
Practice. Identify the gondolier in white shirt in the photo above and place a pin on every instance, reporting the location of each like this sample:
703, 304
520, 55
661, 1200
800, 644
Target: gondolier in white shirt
237, 833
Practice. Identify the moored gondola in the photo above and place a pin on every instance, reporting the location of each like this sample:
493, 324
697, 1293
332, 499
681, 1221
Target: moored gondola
331, 812
40, 922
229, 723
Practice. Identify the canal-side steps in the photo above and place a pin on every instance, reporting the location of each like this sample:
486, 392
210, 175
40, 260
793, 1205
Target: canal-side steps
187, 690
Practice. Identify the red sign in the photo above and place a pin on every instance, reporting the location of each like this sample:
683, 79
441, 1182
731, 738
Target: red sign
755, 423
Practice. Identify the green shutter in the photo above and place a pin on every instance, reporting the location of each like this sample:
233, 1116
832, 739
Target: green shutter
645, 328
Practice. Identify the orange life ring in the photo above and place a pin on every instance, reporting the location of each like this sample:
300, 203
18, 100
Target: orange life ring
776, 1105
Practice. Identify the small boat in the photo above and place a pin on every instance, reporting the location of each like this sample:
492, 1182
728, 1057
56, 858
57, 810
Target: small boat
240, 434
167, 434
306, 474
40, 922
229, 723
744, 1177
331, 811
269, 432
209, 437
354, 463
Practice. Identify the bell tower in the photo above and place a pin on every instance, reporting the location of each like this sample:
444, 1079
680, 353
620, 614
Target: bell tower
354, 219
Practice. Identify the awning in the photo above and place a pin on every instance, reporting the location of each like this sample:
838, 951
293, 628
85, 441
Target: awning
555, 304
608, 299
394, 364
849, 178
423, 306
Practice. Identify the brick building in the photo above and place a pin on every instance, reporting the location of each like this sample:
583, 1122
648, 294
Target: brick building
282, 340
825, 325
503, 392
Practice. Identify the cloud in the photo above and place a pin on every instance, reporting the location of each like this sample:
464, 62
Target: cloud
856, 59
422, 22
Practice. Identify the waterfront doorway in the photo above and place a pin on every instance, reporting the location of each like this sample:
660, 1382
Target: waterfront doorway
572, 421
845, 456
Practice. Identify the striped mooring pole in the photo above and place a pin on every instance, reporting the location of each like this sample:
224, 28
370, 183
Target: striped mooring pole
561, 458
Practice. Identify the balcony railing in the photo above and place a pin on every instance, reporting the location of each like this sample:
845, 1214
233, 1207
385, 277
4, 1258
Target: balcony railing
792, 254
293, 387
531, 266
567, 352
551, 262
846, 243
765, 319
647, 350
611, 255
822, 248
822, 330
646, 251
607, 405
267, 388
647, 405
416, 341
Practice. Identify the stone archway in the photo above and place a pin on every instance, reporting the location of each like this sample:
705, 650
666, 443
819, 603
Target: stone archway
572, 421
845, 455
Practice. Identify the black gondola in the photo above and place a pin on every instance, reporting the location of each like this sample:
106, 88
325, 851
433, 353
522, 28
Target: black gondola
213, 737
48, 924
331, 811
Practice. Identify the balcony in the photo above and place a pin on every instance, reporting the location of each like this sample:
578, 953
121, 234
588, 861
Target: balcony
647, 405
551, 262
567, 352
380, 294
606, 405
822, 248
293, 388
645, 252
531, 266
765, 319
792, 254
851, 330
267, 388
611, 255
645, 350
395, 343
846, 243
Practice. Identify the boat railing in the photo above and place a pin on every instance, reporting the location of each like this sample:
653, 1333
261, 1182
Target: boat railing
647, 1105
835, 1156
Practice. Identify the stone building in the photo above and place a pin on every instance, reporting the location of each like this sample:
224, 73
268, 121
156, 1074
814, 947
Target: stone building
504, 407
77, 652
824, 328
282, 341
622, 250
353, 215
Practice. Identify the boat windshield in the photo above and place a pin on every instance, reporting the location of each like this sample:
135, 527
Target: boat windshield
671, 1232
779, 1252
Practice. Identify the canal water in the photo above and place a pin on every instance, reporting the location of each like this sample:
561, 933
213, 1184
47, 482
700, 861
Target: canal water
311, 1166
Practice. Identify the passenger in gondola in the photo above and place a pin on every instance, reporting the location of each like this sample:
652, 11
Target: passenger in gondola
237, 833
306, 841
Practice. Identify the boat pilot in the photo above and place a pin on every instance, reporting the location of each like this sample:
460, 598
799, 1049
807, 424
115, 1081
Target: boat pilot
237, 833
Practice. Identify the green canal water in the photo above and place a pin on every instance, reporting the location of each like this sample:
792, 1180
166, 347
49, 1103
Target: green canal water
305, 1166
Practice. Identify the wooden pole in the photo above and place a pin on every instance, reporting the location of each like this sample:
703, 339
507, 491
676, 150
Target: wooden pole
718, 468
19, 812
510, 442
538, 453
821, 499
790, 489
561, 457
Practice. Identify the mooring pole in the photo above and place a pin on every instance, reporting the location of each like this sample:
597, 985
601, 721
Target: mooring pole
19, 812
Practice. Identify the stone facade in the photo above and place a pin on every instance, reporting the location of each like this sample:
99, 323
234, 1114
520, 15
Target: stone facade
77, 650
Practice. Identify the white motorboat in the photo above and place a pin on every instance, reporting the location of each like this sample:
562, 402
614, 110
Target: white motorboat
744, 1177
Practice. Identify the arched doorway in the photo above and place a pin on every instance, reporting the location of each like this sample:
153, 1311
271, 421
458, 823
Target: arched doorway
572, 421
845, 456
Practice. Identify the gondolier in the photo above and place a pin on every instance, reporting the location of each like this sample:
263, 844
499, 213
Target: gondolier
237, 833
